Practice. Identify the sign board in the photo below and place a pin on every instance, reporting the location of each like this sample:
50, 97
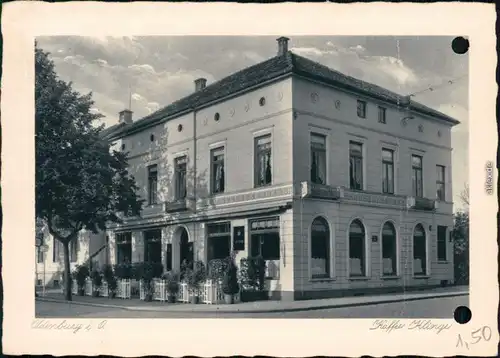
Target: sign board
238, 238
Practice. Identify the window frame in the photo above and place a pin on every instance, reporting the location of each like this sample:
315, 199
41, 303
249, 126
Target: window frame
252, 232
385, 168
361, 157
426, 272
177, 159
365, 268
442, 182
415, 170
73, 250
396, 248
443, 241
126, 242
257, 156
330, 262
363, 108
322, 152
214, 149
152, 191
382, 115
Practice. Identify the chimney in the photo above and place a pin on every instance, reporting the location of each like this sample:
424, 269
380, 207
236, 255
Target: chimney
200, 84
282, 45
125, 116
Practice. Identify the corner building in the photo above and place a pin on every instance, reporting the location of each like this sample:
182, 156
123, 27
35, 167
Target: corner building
341, 185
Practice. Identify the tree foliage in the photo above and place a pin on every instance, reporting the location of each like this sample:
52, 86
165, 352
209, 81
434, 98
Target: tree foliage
461, 247
80, 184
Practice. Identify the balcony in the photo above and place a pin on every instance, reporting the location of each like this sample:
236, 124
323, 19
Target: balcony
179, 205
320, 191
422, 204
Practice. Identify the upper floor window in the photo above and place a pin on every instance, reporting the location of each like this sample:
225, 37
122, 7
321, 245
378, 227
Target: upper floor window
318, 158
152, 184
356, 165
440, 182
387, 171
381, 115
417, 181
217, 175
361, 109
263, 171
56, 250
180, 170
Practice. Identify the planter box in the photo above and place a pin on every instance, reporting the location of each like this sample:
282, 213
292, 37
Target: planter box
250, 296
123, 289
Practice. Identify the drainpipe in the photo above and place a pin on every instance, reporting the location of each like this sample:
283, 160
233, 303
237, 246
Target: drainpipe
195, 198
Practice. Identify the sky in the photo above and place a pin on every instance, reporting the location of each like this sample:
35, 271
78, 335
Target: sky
151, 72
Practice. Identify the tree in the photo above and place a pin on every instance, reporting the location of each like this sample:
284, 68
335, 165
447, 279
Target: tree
464, 195
461, 247
80, 183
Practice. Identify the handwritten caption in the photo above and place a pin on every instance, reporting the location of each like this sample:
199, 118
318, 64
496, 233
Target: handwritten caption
415, 325
67, 326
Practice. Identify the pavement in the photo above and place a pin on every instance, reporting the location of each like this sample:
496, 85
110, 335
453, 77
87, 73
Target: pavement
255, 307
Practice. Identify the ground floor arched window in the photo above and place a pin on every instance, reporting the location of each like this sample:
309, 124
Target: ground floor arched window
389, 250
357, 249
419, 251
320, 248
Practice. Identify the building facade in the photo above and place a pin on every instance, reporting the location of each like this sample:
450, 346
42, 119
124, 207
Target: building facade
341, 186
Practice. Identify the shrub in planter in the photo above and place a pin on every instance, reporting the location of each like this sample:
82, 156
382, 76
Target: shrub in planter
259, 267
230, 285
123, 271
110, 278
172, 280
217, 269
145, 272
81, 274
252, 278
96, 282
194, 279
186, 268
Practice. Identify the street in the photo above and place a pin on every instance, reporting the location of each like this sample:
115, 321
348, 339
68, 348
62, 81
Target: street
426, 308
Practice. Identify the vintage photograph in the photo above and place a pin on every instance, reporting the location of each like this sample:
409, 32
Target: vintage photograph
277, 176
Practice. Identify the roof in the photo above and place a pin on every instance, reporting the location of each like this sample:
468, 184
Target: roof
262, 72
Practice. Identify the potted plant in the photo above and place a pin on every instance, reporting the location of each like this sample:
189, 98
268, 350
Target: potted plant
82, 272
110, 278
230, 285
172, 286
195, 277
96, 282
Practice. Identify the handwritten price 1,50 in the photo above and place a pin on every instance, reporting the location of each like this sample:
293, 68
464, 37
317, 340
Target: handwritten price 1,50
481, 334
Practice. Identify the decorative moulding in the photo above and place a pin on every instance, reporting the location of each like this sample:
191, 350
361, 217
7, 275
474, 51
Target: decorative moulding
247, 107
205, 121
314, 97
337, 104
439, 133
404, 122
421, 128
280, 96
231, 112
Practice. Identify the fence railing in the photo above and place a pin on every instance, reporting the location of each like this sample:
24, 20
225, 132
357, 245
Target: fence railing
74, 287
88, 287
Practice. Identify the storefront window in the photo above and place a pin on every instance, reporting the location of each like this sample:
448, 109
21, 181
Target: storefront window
320, 248
219, 240
265, 242
389, 250
419, 251
357, 256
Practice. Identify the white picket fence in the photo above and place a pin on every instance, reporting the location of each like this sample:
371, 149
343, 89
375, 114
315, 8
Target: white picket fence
103, 290
210, 293
74, 287
123, 289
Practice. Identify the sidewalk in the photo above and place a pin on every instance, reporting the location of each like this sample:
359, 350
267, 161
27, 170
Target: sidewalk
256, 307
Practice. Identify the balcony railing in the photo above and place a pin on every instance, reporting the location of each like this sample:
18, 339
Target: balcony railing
320, 191
179, 205
422, 204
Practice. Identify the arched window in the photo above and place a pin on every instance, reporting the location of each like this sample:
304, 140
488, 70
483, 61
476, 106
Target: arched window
357, 253
389, 250
320, 248
419, 251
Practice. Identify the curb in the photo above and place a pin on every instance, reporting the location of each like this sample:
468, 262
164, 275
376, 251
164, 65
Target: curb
272, 310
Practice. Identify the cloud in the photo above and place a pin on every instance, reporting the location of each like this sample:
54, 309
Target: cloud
143, 68
138, 97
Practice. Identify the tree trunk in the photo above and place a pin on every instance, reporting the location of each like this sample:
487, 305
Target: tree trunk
67, 273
